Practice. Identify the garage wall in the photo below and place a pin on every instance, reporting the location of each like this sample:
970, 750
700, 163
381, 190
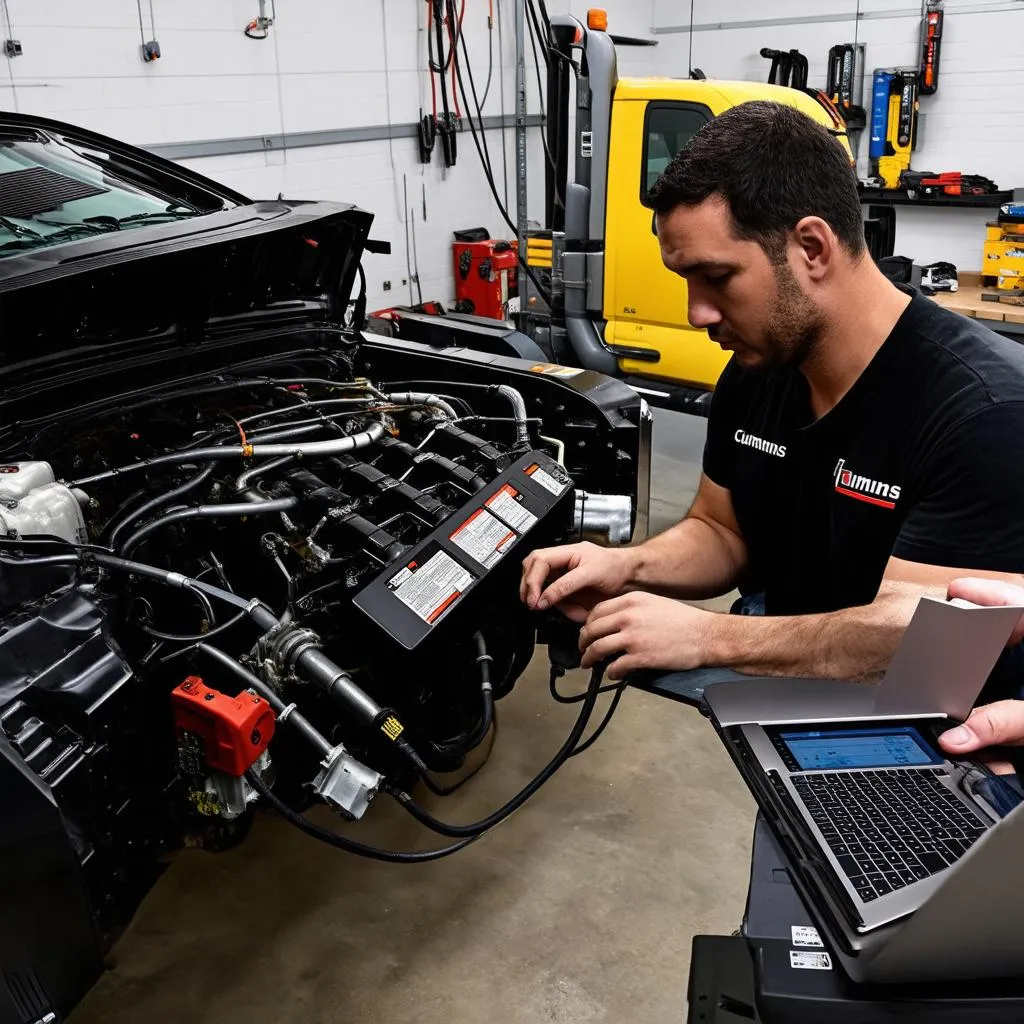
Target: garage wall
328, 64
972, 123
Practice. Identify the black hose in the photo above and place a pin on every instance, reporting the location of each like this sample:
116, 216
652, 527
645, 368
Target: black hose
576, 698
349, 845
158, 501
593, 738
236, 510
484, 660
424, 817
294, 718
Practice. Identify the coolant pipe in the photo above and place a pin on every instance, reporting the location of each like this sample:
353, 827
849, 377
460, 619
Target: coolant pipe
519, 411
335, 446
256, 472
422, 398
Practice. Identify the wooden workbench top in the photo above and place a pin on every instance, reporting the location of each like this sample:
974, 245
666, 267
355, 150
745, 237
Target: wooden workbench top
967, 300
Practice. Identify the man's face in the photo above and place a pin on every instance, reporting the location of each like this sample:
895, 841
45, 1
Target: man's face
748, 304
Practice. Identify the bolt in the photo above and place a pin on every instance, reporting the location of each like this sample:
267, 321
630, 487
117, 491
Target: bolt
208, 696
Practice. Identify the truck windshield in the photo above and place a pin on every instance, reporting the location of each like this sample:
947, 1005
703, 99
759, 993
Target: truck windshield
52, 193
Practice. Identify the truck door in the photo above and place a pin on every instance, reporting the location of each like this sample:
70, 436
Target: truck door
645, 304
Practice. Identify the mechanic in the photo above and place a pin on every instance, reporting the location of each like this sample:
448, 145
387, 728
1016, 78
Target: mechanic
864, 444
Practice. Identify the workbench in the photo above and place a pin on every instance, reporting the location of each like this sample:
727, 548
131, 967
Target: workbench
999, 316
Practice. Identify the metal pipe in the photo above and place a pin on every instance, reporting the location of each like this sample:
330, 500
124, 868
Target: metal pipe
255, 472
422, 398
519, 411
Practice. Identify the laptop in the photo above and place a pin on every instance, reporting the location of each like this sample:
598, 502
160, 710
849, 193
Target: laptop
902, 851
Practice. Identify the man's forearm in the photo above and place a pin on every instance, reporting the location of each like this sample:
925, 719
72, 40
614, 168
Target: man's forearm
692, 560
855, 643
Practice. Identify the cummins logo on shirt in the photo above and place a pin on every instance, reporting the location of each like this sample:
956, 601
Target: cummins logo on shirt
769, 447
863, 488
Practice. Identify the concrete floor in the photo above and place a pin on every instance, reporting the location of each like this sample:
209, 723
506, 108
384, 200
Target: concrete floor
579, 909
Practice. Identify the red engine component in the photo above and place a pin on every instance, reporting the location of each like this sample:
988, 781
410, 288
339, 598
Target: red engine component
486, 277
234, 730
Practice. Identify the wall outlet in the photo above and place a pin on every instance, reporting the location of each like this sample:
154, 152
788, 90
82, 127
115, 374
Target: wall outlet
12, 48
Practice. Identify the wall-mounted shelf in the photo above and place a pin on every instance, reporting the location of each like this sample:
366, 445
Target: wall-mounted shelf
895, 197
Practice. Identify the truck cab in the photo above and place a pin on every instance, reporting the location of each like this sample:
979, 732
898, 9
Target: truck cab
613, 306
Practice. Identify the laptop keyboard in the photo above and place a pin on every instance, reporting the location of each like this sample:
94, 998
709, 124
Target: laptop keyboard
888, 828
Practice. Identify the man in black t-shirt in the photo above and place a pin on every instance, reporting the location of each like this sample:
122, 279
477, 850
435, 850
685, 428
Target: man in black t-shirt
864, 444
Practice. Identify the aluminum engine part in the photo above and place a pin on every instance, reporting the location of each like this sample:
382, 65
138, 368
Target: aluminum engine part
229, 796
347, 784
603, 518
51, 510
18, 478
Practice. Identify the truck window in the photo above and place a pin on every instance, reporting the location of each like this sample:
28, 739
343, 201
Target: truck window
667, 128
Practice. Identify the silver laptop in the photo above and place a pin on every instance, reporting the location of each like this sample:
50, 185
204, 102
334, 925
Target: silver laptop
895, 846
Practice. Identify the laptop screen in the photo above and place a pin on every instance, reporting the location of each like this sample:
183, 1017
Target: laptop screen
895, 746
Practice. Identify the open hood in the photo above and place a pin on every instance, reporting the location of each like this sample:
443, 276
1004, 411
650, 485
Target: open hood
109, 254
99, 300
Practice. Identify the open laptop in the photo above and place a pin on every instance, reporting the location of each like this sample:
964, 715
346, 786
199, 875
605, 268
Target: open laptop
902, 851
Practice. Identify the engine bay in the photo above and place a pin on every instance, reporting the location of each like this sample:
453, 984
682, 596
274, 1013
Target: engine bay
287, 582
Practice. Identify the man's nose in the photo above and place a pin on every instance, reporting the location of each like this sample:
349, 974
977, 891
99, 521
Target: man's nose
702, 313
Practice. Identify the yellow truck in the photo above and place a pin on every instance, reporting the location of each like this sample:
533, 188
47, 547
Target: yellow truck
613, 307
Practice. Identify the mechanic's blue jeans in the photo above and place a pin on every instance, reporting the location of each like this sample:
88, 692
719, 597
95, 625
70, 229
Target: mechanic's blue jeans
689, 686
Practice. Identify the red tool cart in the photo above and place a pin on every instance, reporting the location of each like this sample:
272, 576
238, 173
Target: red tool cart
486, 277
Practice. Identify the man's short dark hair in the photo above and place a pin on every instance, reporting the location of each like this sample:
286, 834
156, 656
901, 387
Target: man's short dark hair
773, 165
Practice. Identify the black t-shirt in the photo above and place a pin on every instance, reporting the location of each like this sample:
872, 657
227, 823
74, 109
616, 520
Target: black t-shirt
923, 459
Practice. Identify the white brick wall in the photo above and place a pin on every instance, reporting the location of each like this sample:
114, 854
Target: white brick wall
322, 68
973, 123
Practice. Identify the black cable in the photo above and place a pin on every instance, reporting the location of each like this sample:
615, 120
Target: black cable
490, 178
424, 817
349, 845
577, 698
490, 60
595, 735
534, 27
501, 83
185, 638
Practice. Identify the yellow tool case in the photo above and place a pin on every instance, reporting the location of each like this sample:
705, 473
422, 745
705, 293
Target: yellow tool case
1002, 264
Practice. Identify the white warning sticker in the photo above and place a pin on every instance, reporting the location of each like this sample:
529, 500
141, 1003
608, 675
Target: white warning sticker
545, 479
506, 505
804, 935
431, 589
802, 961
483, 537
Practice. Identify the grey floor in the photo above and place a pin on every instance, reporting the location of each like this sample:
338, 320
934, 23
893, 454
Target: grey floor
580, 909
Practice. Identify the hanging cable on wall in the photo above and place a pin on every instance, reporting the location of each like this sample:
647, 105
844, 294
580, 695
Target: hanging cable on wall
259, 27
150, 47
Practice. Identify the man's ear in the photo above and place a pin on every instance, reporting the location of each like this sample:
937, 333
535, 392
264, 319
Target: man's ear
816, 246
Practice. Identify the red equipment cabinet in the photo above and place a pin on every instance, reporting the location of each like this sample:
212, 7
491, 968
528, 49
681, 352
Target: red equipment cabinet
486, 277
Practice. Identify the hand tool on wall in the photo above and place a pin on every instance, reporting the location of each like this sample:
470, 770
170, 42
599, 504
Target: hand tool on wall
931, 45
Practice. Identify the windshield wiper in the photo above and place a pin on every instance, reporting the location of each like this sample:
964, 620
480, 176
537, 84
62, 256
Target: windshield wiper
154, 215
19, 229
37, 241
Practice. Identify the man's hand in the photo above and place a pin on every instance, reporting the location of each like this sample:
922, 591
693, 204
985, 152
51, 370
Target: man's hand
993, 725
645, 631
574, 577
991, 592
